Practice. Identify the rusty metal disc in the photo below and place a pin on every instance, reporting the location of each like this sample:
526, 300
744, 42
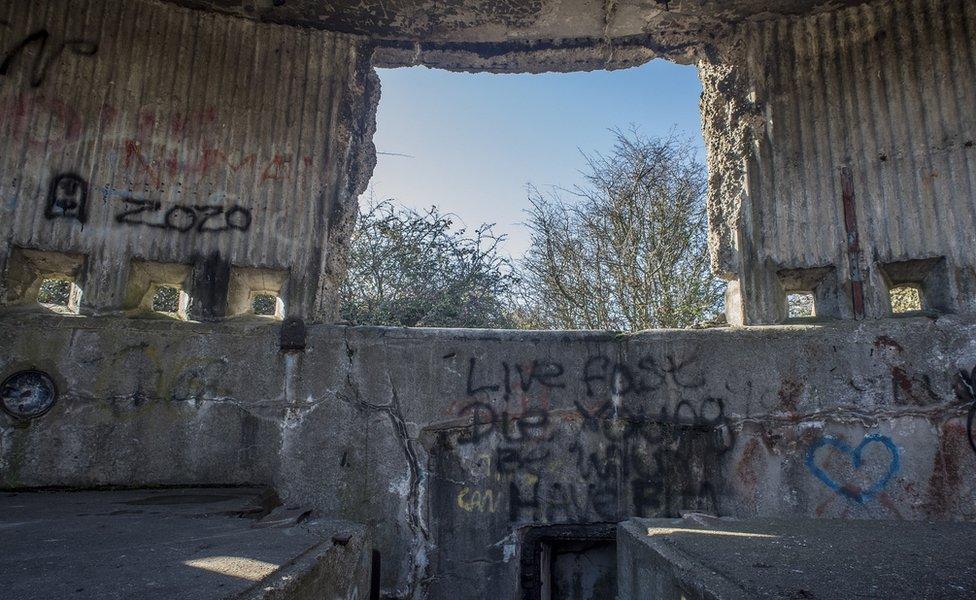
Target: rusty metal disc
28, 394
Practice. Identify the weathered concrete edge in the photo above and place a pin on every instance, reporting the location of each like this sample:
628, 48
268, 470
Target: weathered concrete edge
318, 569
675, 569
249, 327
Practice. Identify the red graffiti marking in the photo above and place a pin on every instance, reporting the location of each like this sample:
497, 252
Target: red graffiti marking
132, 151
153, 159
59, 122
214, 157
160, 165
180, 124
281, 170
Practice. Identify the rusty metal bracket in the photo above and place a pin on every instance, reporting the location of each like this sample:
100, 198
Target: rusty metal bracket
28, 394
853, 242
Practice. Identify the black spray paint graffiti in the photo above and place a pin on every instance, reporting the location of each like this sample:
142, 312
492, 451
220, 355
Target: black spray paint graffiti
184, 218
594, 461
46, 56
67, 197
965, 388
600, 376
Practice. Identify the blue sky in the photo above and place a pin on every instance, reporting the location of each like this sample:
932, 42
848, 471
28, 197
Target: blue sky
476, 140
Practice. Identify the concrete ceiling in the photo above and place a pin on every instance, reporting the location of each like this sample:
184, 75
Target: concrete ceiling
458, 28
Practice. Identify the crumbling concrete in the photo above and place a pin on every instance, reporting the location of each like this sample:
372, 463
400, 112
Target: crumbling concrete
528, 35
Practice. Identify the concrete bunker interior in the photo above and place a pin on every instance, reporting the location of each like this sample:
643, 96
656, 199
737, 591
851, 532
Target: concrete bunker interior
229, 140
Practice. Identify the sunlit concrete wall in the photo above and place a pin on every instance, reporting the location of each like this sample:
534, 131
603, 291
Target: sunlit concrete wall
885, 90
448, 443
140, 130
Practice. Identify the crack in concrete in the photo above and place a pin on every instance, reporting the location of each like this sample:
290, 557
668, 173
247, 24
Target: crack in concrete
419, 577
835, 414
867, 418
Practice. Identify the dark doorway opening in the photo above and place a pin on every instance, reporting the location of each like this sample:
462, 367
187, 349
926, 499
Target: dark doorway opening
569, 562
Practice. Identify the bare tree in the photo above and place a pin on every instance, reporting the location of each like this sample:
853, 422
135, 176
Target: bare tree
627, 249
416, 270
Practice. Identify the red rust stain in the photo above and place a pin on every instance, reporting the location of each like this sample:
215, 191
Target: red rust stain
769, 439
912, 388
884, 341
745, 470
807, 436
822, 507
901, 379
945, 480
789, 394
852, 490
887, 502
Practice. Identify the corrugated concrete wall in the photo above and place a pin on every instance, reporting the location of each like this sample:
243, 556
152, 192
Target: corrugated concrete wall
888, 90
197, 136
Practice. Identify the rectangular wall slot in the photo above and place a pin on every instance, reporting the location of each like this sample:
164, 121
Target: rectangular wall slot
47, 280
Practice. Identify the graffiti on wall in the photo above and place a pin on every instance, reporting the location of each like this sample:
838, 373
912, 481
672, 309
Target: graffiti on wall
858, 478
619, 449
965, 388
155, 153
158, 165
45, 55
183, 218
67, 197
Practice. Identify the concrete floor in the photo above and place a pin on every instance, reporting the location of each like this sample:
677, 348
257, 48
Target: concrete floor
724, 559
189, 544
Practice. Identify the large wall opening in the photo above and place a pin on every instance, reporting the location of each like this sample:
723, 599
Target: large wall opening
474, 168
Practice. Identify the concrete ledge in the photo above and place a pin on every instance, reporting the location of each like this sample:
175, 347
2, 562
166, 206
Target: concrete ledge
194, 543
707, 558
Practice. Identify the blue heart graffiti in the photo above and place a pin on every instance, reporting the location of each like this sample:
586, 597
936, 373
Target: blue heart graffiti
855, 494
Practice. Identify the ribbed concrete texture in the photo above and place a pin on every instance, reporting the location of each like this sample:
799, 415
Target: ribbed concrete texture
219, 146
181, 137
886, 90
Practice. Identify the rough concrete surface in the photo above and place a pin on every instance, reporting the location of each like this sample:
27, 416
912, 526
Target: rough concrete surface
221, 149
840, 138
191, 543
705, 558
841, 148
526, 35
181, 139
449, 444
